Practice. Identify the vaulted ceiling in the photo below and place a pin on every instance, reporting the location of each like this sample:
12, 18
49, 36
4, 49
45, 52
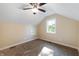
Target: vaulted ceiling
11, 12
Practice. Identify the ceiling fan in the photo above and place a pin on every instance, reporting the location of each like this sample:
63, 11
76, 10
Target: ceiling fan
35, 7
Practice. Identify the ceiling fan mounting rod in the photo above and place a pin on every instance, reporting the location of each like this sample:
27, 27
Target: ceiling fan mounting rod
35, 5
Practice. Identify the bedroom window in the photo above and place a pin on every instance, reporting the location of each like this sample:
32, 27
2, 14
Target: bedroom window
51, 26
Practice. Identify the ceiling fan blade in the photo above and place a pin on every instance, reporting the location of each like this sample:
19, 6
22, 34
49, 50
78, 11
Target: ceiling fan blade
26, 8
42, 10
31, 4
41, 4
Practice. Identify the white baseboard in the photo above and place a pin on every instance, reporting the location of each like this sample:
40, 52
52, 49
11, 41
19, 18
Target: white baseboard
62, 44
17, 44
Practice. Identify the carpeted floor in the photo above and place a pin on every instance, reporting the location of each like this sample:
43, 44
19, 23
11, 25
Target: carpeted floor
39, 48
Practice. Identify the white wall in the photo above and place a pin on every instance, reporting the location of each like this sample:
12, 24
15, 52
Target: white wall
78, 36
66, 31
12, 34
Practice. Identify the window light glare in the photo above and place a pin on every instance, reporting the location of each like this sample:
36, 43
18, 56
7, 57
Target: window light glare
35, 10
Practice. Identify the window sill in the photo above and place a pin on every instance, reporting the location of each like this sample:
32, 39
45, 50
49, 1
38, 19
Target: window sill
51, 32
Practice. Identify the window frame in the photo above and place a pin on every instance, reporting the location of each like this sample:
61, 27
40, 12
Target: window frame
48, 26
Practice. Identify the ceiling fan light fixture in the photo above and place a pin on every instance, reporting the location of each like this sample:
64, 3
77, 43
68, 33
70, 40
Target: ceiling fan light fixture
35, 10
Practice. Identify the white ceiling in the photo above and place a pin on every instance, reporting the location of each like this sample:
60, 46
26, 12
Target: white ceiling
12, 12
